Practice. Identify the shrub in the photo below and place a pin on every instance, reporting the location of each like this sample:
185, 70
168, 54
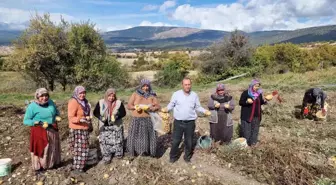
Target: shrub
110, 74
290, 57
325, 54
175, 68
227, 57
140, 62
171, 74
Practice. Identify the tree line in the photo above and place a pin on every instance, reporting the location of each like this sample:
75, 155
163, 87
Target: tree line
65, 53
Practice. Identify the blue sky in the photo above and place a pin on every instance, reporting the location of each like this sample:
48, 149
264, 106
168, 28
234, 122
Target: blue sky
247, 15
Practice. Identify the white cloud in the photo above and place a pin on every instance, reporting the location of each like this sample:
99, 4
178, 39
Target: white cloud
18, 18
150, 7
113, 28
148, 23
166, 5
252, 15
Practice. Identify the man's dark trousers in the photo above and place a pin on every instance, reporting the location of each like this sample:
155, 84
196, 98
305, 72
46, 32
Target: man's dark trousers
186, 128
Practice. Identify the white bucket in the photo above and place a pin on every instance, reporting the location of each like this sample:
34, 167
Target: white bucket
241, 142
5, 167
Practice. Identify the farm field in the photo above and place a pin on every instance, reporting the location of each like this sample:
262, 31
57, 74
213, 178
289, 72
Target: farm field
291, 150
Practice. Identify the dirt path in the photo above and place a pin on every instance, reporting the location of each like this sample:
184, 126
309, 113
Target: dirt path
207, 164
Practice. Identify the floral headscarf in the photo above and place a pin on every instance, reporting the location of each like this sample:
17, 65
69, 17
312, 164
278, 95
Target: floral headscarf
147, 94
39, 92
254, 94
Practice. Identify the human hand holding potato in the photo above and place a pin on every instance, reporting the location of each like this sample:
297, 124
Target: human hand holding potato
207, 113
137, 108
226, 105
145, 107
269, 97
58, 118
45, 125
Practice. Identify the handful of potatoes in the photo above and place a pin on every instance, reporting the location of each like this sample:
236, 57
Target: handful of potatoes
165, 121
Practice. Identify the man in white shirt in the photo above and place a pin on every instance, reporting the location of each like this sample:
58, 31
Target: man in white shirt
184, 103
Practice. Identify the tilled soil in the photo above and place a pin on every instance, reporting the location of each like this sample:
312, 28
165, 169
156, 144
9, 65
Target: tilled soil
204, 169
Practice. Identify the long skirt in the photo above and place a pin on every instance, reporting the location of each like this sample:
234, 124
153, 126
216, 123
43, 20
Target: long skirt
51, 153
142, 138
79, 147
250, 131
111, 140
223, 130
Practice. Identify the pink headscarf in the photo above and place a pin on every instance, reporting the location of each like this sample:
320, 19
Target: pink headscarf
254, 94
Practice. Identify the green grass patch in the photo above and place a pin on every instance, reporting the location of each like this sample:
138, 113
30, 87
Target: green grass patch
15, 89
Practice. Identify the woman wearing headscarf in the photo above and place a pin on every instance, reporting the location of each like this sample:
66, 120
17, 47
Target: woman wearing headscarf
251, 101
41, 115
79, 124
110, 112
221, 123
142, 138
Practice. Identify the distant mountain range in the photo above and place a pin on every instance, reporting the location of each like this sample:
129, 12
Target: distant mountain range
147, 37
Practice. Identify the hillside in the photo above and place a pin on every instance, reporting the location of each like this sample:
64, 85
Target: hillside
7, 36
146, 37
175, 37
313, 34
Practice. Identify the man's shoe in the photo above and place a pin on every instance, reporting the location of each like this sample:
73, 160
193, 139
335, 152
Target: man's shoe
172, 160
187, 160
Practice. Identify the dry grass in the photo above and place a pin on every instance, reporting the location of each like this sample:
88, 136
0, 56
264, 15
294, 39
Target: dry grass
277, 161
14, 82
146, 74
126, 61
150, 74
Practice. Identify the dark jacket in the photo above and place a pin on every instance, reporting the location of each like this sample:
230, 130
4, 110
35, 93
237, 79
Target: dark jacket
314, 96
249, 111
